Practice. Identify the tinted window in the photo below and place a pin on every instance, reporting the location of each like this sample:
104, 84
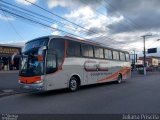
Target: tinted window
35, 44
57, 45
85, 52
90, 50
127, 57
73, 48
122, 56
115, 55
96, 52
108, 54
51, 64
101, 55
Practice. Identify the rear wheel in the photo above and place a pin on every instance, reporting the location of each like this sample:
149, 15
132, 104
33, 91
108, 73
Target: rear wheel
73, 84
119, 79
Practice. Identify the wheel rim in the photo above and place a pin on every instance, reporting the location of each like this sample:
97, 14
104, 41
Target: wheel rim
73, 84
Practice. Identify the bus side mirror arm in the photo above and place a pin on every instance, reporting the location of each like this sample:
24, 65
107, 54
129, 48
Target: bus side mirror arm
13, 56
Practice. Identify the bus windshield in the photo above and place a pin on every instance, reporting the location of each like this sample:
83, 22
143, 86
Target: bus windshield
35, 44
30, 66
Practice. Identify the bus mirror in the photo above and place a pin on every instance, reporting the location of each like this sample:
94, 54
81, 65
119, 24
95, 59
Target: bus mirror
13, 56
42, 49
40, 58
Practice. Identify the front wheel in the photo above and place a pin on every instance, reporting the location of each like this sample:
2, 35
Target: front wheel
73, 84
119, 78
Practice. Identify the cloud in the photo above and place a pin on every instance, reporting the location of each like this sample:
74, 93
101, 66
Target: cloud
55, 3
72, 3
24, 2
125, 20
139, 15
91, 22
54, 25
56, 33
6, 18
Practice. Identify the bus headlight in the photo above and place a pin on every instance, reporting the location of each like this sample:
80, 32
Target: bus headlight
39, 81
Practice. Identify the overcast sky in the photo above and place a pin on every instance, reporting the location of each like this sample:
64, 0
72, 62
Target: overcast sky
115, 23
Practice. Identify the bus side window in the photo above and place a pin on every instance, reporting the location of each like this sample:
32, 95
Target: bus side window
101, 54
51, 65
85, 51
108, 54
73, 49
96, 52
122, 56
115, 55
90, 50
57, 44
127, 57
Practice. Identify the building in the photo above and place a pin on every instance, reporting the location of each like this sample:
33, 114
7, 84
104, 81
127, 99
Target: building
6, 52
152, 61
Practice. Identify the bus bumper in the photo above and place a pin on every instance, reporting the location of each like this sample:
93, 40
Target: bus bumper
35, 86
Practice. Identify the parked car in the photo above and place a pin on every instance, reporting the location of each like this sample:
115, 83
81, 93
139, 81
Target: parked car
149, 69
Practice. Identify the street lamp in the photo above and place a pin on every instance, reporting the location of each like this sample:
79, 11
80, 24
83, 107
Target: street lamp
144, 57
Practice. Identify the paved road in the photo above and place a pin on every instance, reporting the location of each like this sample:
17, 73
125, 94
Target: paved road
8, 80
137, 95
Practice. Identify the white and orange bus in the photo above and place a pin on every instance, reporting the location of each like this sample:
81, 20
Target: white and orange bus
55, 62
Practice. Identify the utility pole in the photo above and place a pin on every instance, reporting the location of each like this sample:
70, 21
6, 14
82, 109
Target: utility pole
134, 60
144, 57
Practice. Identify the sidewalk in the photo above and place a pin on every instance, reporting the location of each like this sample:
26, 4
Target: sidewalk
9, 71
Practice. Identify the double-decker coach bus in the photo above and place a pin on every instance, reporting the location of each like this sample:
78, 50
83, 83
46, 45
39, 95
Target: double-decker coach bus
55, 62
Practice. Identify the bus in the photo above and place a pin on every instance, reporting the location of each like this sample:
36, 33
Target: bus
56, 62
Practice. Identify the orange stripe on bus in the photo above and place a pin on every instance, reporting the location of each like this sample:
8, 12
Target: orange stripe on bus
126, 73
113, 75
29, 79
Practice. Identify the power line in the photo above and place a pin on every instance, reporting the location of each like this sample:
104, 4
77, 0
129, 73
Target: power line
56, 15
106, 17
103, 14
42, 24
44, 17
37, 22
84, 2
14, 29
62, 18
130, 20
31, 13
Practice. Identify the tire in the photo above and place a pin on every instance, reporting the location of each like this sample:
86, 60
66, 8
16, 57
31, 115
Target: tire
119, 79
73, 84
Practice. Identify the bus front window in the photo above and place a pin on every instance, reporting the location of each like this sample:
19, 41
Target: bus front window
31, 66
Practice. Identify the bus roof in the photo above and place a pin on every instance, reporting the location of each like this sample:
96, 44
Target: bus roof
87, 41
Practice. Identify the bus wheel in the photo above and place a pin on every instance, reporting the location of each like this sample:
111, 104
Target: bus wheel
73, 84
119, 78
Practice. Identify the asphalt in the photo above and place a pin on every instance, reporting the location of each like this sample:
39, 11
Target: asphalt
140, 94
9, 83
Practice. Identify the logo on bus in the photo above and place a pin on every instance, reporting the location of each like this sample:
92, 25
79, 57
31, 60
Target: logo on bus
94, 66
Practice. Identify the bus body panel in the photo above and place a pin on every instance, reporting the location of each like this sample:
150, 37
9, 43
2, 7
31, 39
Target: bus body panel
76, 66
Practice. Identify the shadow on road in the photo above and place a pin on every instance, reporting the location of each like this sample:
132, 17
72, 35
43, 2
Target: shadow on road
67, 91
